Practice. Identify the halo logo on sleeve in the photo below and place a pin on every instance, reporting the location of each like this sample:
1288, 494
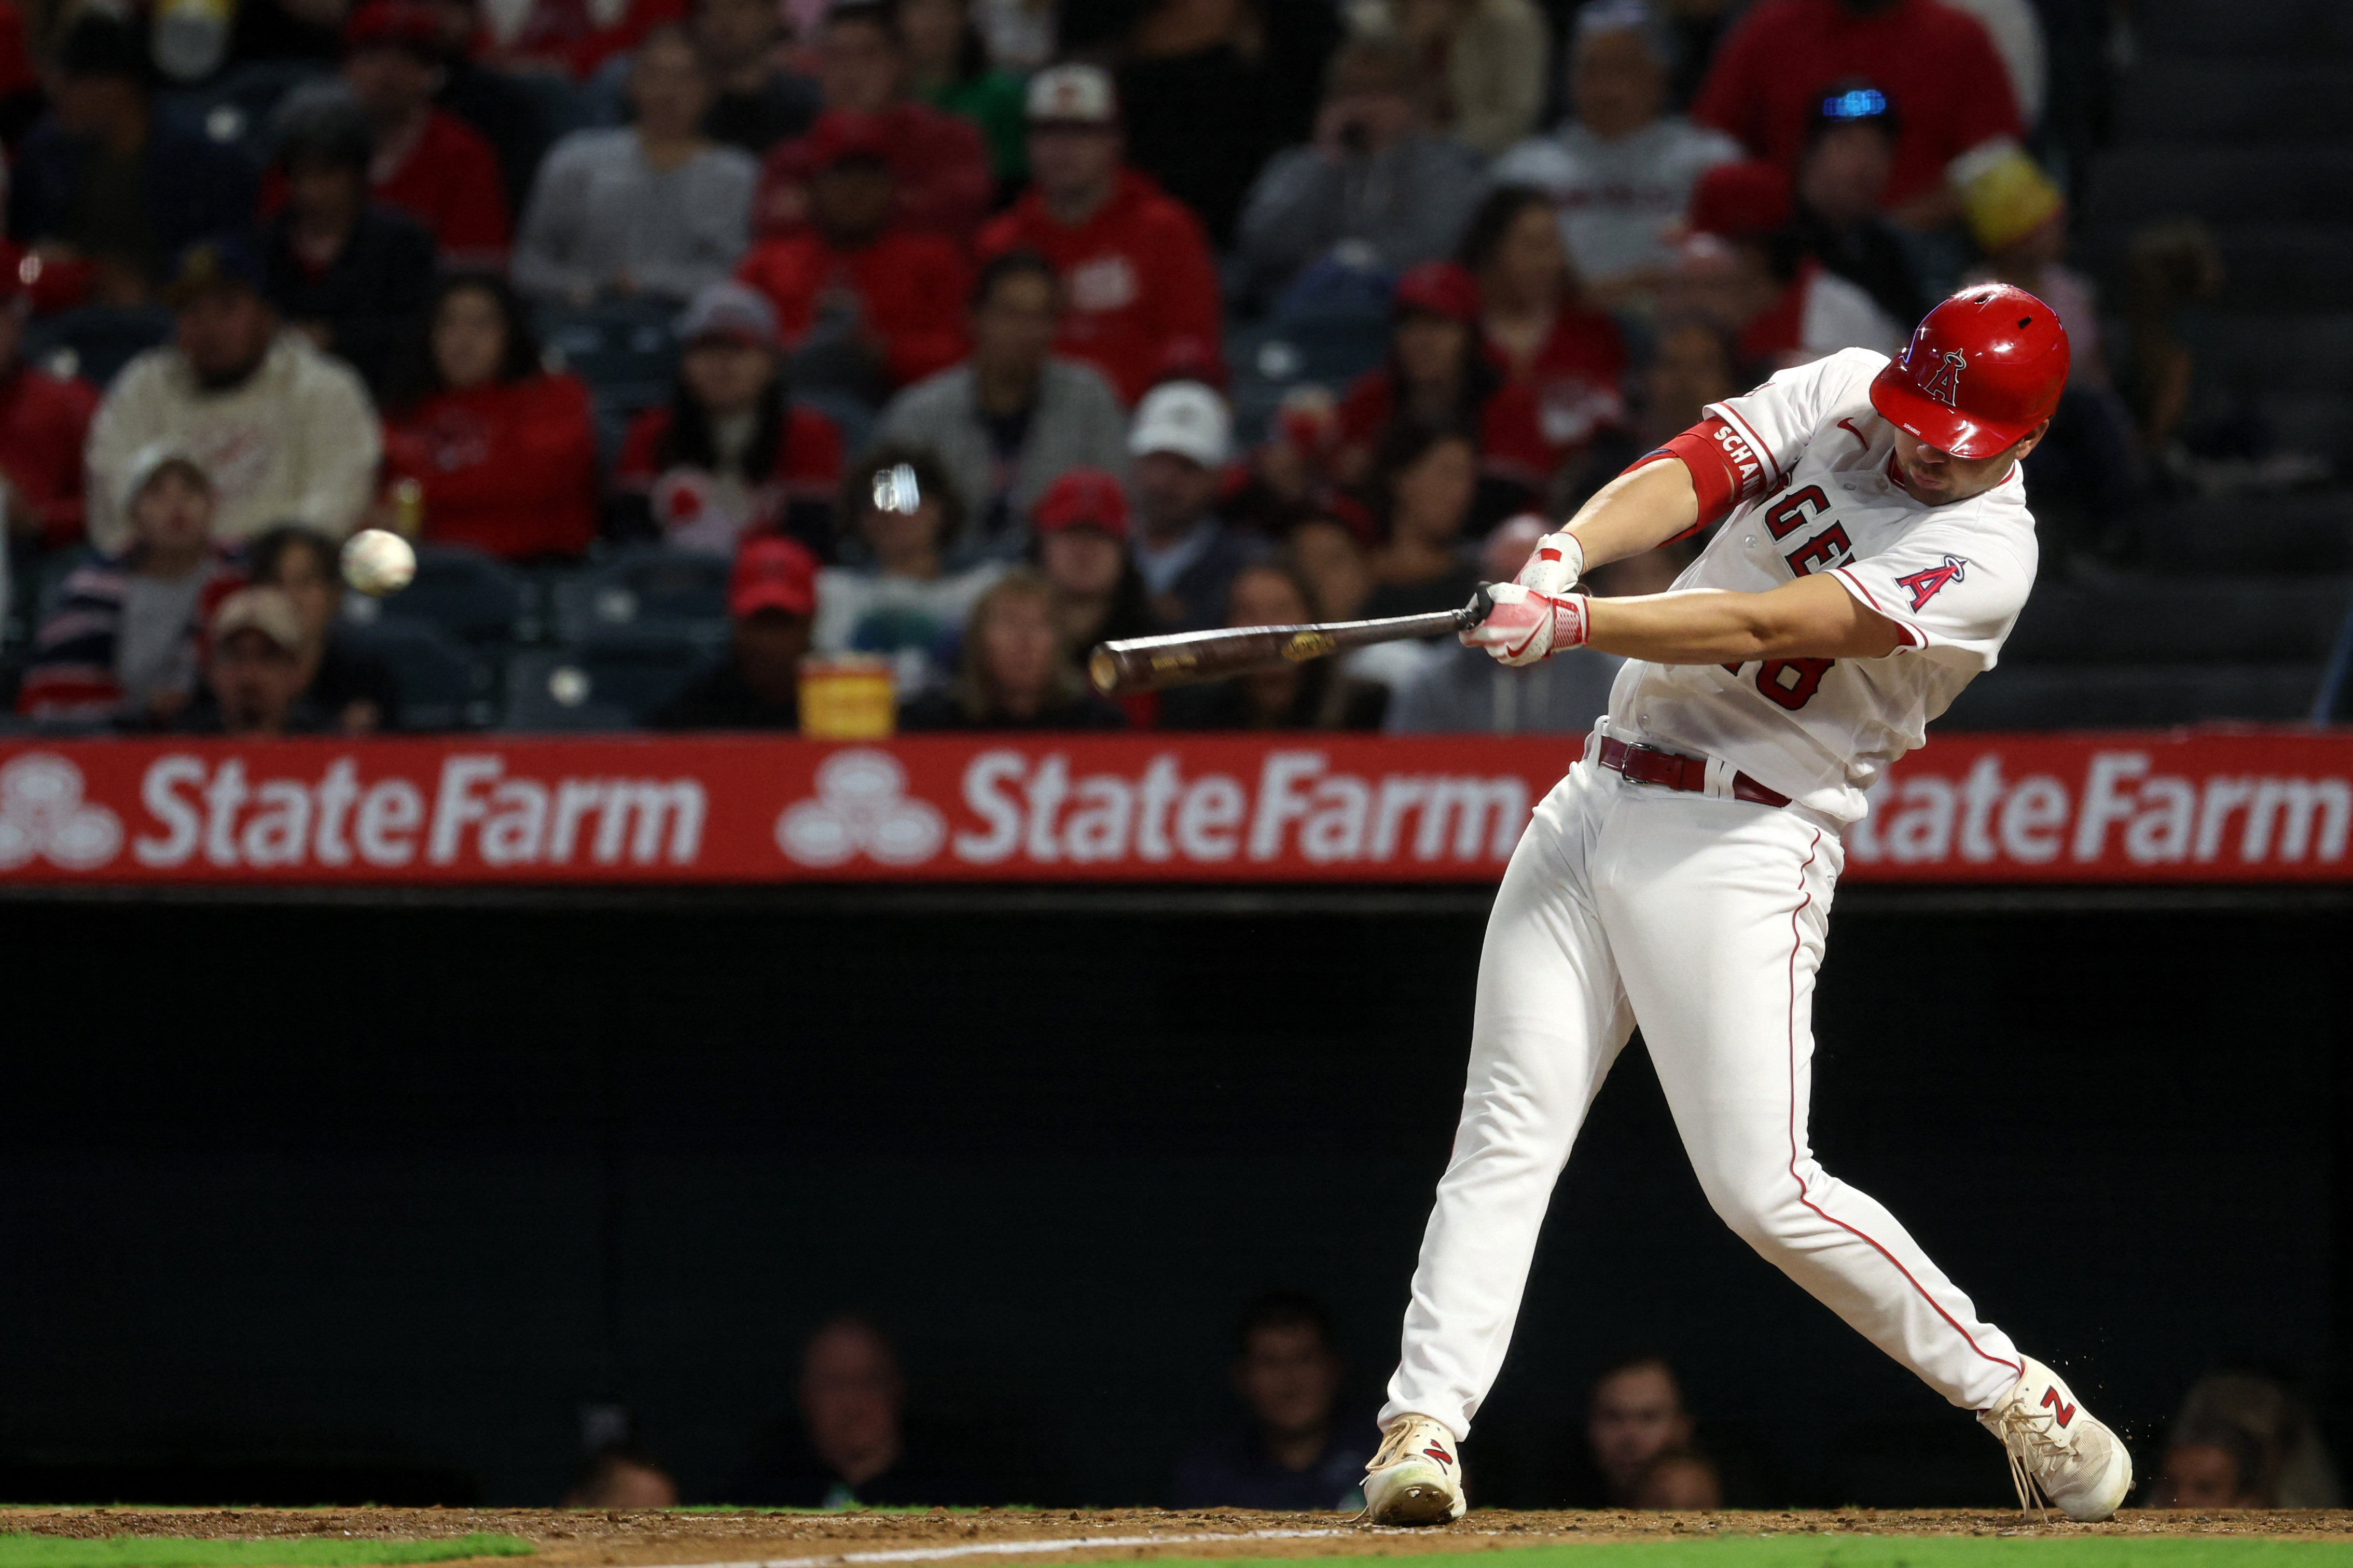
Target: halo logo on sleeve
1926, 586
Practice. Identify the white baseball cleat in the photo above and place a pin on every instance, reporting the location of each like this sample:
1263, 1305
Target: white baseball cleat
2058, 1453
1415, 1479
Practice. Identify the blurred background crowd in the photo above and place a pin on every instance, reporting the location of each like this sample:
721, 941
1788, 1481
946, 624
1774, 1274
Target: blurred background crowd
1304, 1429
702, 343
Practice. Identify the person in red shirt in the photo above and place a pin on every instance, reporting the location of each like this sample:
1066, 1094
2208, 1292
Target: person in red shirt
1140, 286
573, 37
866, 305
503, 451
1440, 374
428, 164
1535, 323
44, 420
1935, 63
731, 456
941, 165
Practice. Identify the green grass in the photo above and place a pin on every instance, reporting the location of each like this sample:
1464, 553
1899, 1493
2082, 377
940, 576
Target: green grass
294, 1552
1795, 1551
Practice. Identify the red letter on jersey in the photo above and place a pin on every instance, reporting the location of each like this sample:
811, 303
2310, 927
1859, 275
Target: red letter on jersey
1925, 586
1825, 549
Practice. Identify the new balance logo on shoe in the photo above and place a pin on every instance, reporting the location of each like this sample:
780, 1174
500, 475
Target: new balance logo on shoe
1444, 1458
2050, 1401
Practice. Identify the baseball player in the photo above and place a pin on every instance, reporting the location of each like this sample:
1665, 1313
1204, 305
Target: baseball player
1876, 548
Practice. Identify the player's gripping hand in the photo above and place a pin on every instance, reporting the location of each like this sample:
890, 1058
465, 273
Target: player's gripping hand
1555, 565
1525, 625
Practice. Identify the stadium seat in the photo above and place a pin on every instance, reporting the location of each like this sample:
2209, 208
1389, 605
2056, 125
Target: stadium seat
444, 684
623, 349
476, 598
676, 591
612, 683
95, 341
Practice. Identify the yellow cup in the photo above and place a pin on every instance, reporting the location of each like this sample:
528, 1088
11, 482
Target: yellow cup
847, 696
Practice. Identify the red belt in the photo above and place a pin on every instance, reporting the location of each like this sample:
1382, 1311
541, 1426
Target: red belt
1650, 765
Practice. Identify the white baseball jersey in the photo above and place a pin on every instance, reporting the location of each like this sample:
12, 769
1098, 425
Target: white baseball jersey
1953, 579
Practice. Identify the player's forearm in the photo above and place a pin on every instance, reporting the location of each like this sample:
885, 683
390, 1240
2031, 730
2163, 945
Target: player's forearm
1636, 512
1812, 617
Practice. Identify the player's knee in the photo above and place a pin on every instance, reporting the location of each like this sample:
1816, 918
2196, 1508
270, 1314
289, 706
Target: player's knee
1759, 1214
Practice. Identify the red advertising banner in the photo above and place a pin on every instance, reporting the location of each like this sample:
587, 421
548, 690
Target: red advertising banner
2208, 805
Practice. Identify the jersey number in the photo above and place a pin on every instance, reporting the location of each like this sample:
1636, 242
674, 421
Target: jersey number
1791, 682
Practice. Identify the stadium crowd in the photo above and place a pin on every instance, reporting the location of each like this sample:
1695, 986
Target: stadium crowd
2240, 1438
696, 340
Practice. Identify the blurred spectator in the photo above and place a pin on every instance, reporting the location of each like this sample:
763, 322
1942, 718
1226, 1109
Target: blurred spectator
1424, 478
1318, 694
120, 646
1619, 170
2019, 220
652, 208
901, 601
1636, 1414
620, 1477
2170, 266
2016, 29
1849, 150
771, 601
1259, 64
1079, 525
1012, 419
1741, 268
2293, 1466
351, 276
1295, 1454
948, 68
574, 37
866, 305
1934, 63
253, 669
2210, 1465
1375, 190
428, 162
1694, 362
499, 107
1016, 674
1180, 443
1482, 64
732, 455
283, 431
1332, 560
44, 422
944, 186
1439, 373
1464, 691
756, 102
108, 182
1021, 33
503, 451
1682, 1481
1571, 355
1140, 286
342, 689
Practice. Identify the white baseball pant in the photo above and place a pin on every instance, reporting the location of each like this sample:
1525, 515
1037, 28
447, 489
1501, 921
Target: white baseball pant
1704, 919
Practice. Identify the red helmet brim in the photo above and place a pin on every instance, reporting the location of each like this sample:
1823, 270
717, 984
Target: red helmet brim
1946, 429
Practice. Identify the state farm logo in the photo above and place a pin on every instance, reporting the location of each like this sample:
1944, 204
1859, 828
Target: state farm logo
42, 814
861, 807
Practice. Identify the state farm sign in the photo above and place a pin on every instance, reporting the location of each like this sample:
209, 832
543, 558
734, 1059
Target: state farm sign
2197, 806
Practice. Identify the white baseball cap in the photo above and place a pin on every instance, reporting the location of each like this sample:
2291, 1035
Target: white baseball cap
1183, 417
1073, 95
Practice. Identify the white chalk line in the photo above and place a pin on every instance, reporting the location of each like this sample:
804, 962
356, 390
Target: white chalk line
1014, 1548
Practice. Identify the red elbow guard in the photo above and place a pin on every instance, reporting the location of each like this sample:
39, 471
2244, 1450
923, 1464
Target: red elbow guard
1723, 470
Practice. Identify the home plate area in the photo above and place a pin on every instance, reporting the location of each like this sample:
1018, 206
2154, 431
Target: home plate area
1852, 1538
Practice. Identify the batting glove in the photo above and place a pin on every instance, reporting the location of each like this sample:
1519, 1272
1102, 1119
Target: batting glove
1525, 625
1558, 562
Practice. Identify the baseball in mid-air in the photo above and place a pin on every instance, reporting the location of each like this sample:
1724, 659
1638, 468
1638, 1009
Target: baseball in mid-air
377, 562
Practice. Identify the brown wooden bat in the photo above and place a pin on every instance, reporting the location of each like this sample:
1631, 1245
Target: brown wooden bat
1147, 664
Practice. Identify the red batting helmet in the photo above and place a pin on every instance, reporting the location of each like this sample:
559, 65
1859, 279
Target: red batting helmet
1982, 369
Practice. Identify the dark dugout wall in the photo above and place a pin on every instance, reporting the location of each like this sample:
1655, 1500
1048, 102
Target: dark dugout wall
334, 1201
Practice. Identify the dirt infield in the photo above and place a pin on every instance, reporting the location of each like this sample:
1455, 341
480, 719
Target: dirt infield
643, 1539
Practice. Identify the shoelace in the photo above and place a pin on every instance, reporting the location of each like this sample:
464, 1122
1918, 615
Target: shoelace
2026, 1437
1392, 1447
